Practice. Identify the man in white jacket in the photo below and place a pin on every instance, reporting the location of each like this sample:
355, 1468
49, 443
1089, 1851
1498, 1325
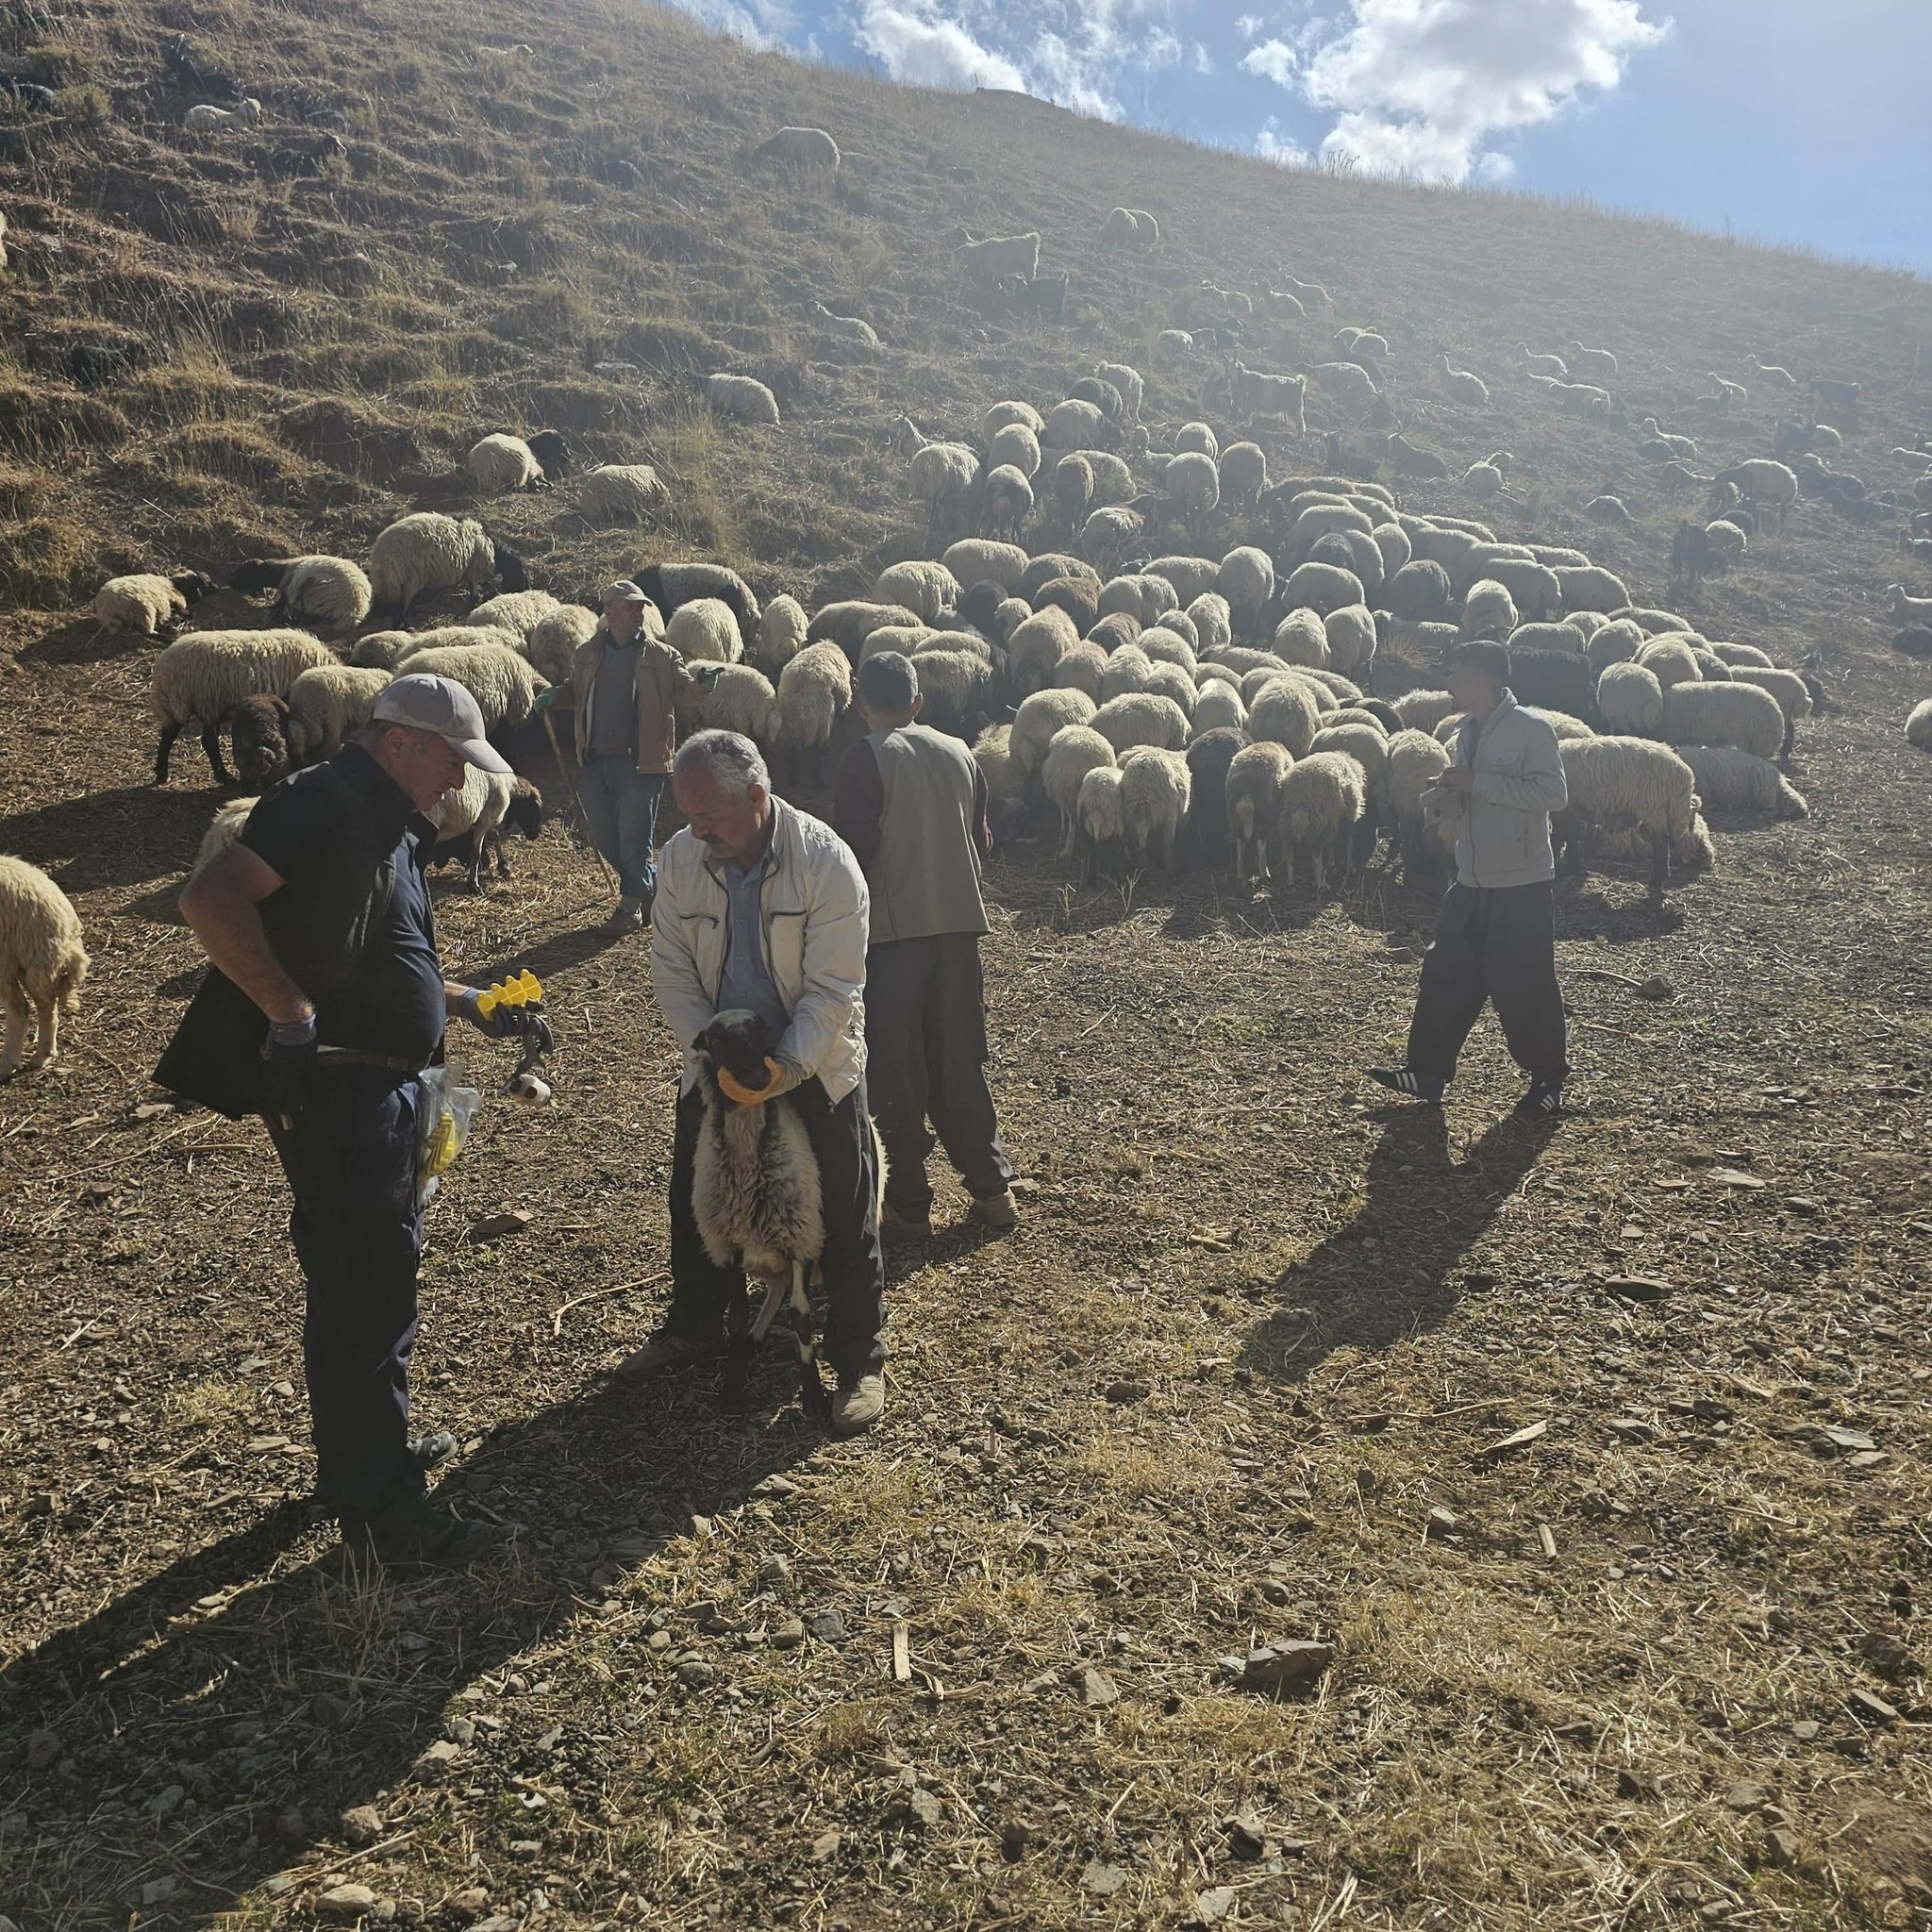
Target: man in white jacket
761, 907
1495, 935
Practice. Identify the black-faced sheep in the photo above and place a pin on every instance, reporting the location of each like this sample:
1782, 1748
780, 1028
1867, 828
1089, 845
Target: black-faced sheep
474, 820
203, 677
428, 551
146, 605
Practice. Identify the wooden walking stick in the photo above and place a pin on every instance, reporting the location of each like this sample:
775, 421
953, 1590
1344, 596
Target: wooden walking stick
570, 785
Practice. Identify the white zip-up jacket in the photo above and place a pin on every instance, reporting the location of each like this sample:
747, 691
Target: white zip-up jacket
1502, 830
814, 910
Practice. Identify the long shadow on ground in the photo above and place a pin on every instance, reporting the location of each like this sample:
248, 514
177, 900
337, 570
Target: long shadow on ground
1395, 1268
276, 1703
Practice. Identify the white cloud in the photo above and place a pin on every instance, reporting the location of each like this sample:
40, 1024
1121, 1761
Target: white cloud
927, 51
757, 23
1248, 26
1203, 59
1418, 86
1271, 145
1493, 169
1273, 61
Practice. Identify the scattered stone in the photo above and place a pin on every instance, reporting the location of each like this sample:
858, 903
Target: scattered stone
497, 1921
1865, 1458
661, 1639
42, 1747
1656, 988
1638, 1288
1869, 1708
774, 1485
1884, 1653
342, 1903
1805, 1730
1734, 1177
788, 1635
1275, 1666
491, 1227
1442, 1522
1097, 1689
361, 1824
1123, 1392
1747, 1797
694, 1674
1638, 1785
775, 1572
1631, 1428
462, 1730
924, 1805
1521, 1439
1016, 1834
156, 1890
1247, 1837
1577, 1731
1102, 1879
166, 1801
824, 1846
1210, 1907
1849, 1441
152, 1109
1780, 1847
828, 1626
469, 1902
438, 1759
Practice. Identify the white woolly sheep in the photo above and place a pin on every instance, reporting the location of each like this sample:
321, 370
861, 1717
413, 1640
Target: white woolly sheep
145, 604
1567, 727
554, 640
1015, 444
1546, 637
1736, 781
455, 637
1624, 784
781, 634
1770, 485
381, 650
743, 398
205, 119
1671, 660
1423, 710
1630, 700
1156, 787
1012, 410
620, 494
1323, 588
1255, 394
923, 586
1039, 721
850, 622
1792, 694
222, 830
953, 685
1127, 669
1196, 438
428, 551
1171, 681
1036, 647
1164, 645
1127, 380
800, 147
469, 819
853, 329
1349, 381
516, 611
1589, 587
1918, 726
1735, 714
1252, 796
1006, 808
1461, 384
502, 462
943, 473
1142, 595
1244, 471
1219, 704
1615, 642
1322, 800
43, 963
1415, 764
998, 255
1903, 607
202, 679
1351, 633
1191, 576
1393, 541
504, 682
1285, 712
1367, 743
1301, 638
1212, 619
1098, 808
1735, 654
1080, 669
1141, 717
743, 700
329, 705
1599, 366
813, 689
980, 560
1005, 500
1246, 579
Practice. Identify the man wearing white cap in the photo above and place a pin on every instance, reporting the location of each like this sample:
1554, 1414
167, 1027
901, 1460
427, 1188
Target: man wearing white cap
324, 1003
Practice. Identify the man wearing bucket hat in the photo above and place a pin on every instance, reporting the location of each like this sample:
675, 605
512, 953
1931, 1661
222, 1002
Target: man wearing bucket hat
627, 684
324, 1003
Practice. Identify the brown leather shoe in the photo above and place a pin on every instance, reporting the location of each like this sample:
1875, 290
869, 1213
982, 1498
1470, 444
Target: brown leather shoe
902, 1230
995, 1211
664, 1351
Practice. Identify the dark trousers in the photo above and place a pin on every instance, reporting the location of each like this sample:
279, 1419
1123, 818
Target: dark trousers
1496, 944
351, 1162
702, 1292
621, 807
926, 1060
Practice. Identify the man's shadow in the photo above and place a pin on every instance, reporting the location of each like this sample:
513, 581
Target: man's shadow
276, 1705
1393, 1269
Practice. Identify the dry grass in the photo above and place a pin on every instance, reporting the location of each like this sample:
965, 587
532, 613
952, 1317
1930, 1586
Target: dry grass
1251, 1333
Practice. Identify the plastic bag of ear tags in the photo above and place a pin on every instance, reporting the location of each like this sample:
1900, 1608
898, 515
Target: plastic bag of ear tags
444, 1126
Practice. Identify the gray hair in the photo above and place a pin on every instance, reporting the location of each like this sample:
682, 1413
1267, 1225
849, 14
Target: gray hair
731, 761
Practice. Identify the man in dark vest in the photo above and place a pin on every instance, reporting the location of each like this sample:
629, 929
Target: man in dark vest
324, 1005
911, 803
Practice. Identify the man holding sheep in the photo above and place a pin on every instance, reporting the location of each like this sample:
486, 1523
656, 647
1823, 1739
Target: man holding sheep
911, 803
760, 908
1495, 935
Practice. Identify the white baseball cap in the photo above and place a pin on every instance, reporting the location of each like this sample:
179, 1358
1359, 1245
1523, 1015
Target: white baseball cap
425, 701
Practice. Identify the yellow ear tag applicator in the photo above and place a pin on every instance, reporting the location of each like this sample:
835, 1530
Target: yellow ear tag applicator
748, 1096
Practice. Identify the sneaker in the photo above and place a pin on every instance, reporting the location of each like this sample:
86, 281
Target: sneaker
424, 1532
666, 1350
628, 917
858, 1404
898, 1230
426, 1452
1406, 1080
1543, 1102
995, 1210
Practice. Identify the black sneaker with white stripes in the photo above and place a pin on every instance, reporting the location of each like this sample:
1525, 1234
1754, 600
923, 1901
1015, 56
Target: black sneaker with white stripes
1406, 1080
1543, 1102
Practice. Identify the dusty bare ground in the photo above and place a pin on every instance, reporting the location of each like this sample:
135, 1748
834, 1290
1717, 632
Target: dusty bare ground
1254, 1332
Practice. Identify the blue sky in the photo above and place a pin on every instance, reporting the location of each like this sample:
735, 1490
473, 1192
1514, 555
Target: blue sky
1782, 120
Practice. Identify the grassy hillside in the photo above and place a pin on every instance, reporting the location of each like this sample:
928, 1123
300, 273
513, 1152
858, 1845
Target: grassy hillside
1252, 1333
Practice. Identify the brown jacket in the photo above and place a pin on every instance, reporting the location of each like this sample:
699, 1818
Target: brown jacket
663, 686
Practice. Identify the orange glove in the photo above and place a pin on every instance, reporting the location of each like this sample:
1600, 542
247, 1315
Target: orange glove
782, 1081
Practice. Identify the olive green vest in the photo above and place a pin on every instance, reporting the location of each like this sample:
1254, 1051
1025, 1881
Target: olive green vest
924, 878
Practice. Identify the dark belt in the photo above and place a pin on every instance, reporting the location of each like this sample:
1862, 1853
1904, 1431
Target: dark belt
350, 1056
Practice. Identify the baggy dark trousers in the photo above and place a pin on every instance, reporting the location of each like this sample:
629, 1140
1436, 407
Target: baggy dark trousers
702, 1292
925, 1059
1496, 944
350, 1159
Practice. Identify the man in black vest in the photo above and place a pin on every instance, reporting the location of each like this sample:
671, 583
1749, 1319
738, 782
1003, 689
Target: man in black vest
325, 1004
911, 803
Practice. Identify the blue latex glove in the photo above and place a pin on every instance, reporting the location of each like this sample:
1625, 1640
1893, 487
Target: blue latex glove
502, 1022
288, 1057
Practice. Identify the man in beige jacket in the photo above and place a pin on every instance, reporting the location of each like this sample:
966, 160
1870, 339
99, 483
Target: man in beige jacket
628, 685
